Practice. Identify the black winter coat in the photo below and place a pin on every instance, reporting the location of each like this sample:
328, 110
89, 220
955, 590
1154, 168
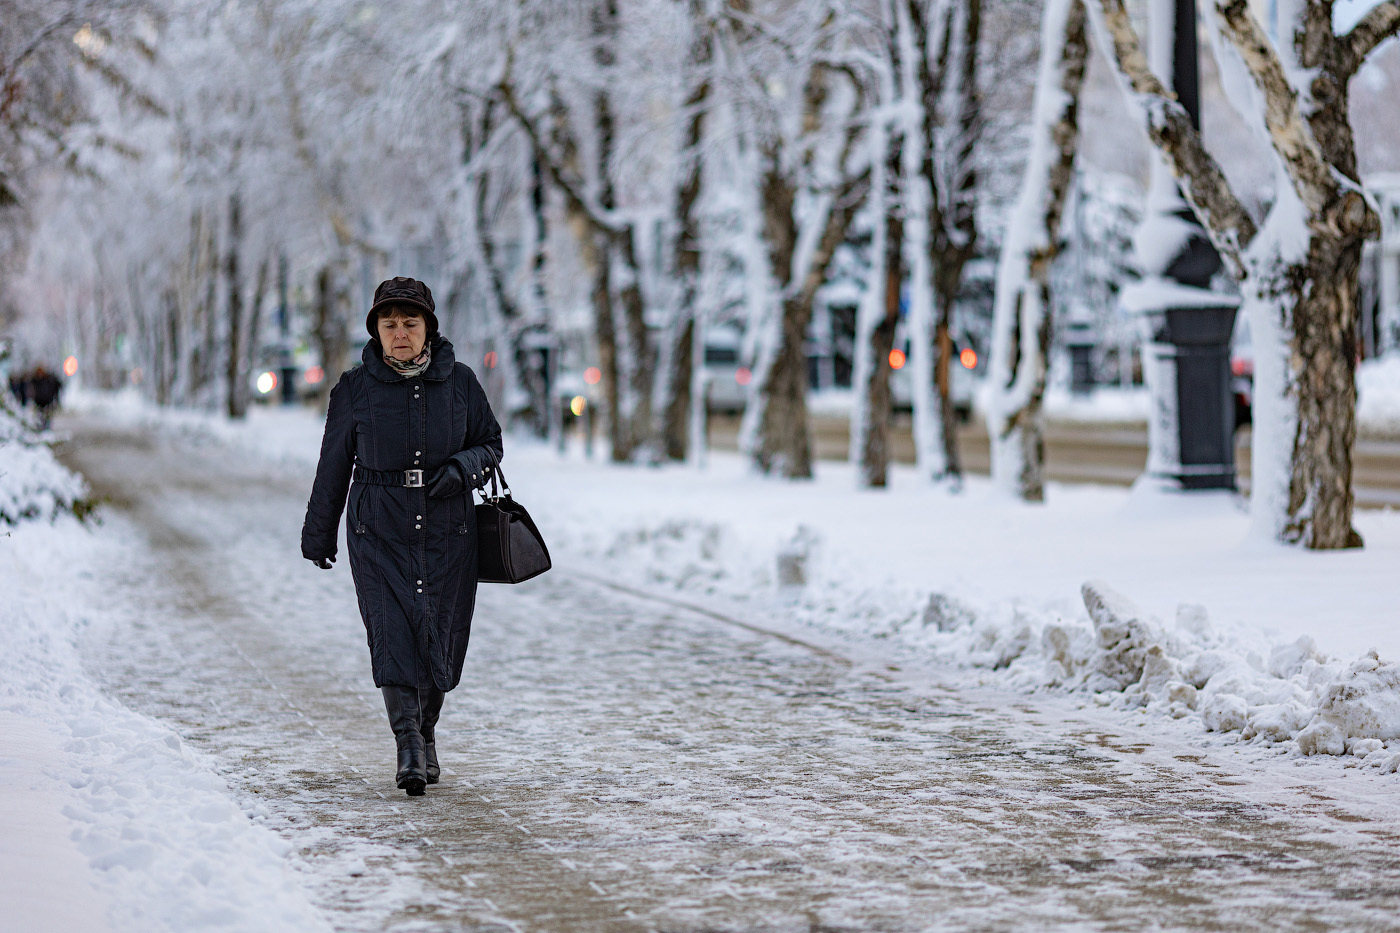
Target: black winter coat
413, 558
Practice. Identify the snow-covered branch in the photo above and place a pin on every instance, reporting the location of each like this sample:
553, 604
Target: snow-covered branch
1380, 24
1169, 126
567, 182
1289, 132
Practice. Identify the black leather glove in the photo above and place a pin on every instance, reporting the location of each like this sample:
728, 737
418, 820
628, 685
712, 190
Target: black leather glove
447, 481
323, 562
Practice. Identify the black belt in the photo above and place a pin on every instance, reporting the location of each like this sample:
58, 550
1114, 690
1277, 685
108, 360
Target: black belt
410, 478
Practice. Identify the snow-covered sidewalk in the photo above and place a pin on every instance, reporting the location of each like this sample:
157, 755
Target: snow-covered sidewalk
107, 819
1193, 617
1281, 651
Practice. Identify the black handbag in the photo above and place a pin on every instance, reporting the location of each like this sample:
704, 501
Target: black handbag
509, 548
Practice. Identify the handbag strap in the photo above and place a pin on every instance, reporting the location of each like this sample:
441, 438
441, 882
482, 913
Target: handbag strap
497, 491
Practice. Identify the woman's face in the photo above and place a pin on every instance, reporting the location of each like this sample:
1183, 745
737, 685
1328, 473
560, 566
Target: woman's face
402, 334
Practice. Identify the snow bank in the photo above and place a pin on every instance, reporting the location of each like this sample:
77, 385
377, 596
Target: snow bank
1231, 681
1378, 396
1101, 405
107, 821
32, 483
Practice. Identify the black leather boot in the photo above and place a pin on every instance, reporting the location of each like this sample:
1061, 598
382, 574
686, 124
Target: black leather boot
406, 718
431, 698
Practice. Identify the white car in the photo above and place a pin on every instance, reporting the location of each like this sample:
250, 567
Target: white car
726, 382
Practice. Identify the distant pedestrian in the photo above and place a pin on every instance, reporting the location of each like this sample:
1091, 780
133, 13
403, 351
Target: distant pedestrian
413, 429
19, 388
44, 390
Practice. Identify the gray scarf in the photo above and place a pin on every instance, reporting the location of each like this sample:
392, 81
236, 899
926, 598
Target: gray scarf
413, 367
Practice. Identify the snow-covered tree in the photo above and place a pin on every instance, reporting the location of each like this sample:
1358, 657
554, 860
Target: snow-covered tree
1297, 264
802, 108
1022, 325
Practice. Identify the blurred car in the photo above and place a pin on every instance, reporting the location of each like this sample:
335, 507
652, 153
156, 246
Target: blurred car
577, 392
962, 379
287, 376
1242, 374
726, 382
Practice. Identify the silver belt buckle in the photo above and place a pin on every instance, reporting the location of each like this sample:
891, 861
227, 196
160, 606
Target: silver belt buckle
413, 478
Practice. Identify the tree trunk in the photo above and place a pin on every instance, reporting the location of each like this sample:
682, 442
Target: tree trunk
959, 242
167, 347
675, 426
524, 361
237, 385
925, 224
775, 433
330, 330
785, 444
642, 363
1324, 326
254, 333
594, 247
551, 418
768, 434
205, 363
685, 263
875, 440
943, 379
1022, 324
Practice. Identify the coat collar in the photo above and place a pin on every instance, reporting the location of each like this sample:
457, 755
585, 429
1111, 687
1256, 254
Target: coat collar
444, 358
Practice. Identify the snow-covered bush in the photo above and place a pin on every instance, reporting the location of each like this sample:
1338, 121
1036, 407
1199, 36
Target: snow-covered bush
33, 484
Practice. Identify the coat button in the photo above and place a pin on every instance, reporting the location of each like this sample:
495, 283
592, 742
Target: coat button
420, 589
418, 453
419, 517
417, 526
420, 582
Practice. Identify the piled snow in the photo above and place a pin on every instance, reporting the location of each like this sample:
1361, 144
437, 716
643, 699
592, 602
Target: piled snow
1378, 396
106, 820
32, 483
831, 403
1101, 405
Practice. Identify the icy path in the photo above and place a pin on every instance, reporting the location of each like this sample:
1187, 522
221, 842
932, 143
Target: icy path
613, 762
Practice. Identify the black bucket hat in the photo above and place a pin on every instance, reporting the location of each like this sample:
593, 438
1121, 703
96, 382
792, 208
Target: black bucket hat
403, 292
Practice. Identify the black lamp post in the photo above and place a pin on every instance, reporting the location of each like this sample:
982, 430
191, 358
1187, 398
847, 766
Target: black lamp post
1191, 428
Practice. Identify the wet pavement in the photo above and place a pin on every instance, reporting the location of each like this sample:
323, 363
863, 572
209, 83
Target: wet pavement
615, 761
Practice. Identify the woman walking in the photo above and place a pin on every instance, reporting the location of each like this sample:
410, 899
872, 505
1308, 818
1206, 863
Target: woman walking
413, 429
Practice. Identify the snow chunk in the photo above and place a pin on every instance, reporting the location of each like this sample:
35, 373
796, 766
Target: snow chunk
1363, 703
1123, 636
